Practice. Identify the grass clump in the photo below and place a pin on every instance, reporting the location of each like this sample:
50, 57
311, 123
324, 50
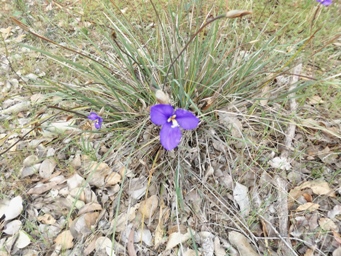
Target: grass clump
234, 74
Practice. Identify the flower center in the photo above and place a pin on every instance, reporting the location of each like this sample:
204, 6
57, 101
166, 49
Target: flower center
173, 120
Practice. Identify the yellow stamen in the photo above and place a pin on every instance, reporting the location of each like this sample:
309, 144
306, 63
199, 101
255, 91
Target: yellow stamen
171, 118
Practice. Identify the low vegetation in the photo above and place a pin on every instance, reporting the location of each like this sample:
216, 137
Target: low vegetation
170, 128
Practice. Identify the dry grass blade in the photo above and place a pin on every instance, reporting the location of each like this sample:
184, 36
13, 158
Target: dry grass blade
235, 216
237, 13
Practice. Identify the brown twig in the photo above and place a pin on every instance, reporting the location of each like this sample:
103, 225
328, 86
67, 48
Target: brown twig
68, 110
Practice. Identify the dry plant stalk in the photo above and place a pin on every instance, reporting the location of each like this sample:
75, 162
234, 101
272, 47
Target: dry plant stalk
281, 183
283, 216
290, 133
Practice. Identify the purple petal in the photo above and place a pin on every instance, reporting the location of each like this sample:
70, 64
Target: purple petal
98, 123
98, 120
170, 137
187, 120
93, 116
160, 113
325, 2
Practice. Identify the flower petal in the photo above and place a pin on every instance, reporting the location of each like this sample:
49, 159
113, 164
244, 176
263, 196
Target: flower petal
93, 116
98, 123
160, 113
187, 120
98, 120
170, 137
325, 2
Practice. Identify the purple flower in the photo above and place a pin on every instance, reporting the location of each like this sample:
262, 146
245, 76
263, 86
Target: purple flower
98, 120
325, 2
171, 121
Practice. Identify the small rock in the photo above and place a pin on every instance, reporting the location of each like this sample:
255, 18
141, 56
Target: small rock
294, 177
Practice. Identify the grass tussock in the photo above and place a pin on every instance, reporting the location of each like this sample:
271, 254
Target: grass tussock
252, 80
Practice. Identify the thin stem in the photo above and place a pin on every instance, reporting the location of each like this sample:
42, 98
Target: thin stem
162, 28
67, 110
190, 40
